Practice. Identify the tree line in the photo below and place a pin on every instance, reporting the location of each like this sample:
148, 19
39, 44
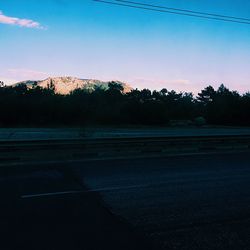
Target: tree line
24, 106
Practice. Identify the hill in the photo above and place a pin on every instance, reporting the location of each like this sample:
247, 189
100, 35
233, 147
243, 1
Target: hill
64, 85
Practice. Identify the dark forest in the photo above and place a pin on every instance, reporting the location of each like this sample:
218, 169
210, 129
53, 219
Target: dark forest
36, 106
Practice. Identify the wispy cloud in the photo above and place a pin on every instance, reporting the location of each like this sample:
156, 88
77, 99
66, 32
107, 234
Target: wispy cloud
176, 84
19, 22
26, 74
7, 81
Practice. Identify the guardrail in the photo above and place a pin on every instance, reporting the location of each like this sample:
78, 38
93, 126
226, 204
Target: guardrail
86, 149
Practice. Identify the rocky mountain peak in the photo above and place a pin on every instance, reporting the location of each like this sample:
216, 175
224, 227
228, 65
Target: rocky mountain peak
64, 85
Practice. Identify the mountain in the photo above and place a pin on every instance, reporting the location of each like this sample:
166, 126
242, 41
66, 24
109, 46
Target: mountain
64, 85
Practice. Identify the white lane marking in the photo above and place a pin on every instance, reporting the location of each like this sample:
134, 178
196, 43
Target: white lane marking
50, 194
82, 191
118, 188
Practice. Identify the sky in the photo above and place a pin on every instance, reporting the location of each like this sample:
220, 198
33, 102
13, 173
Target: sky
146, 49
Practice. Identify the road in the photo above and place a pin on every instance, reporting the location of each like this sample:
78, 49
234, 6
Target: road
195, 202
189, 202
45, 207
39, 134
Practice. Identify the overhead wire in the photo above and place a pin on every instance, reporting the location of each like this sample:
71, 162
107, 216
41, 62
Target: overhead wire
183, 10
162, 9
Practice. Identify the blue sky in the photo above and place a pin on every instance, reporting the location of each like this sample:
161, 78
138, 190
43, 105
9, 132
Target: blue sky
86, 39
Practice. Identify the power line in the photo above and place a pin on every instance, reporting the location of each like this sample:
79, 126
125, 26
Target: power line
226, 19
184, 10
171, 12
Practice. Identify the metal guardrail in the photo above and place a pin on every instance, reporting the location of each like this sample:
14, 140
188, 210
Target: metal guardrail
85, 149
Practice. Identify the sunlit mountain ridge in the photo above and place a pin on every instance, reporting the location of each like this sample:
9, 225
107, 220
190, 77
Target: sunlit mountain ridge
64, 85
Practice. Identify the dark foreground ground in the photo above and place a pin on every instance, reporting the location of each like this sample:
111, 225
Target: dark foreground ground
69, 218
195, 202
191, 202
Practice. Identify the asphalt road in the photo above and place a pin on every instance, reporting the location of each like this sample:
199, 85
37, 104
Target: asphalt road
194, 202
46, 207
34, 134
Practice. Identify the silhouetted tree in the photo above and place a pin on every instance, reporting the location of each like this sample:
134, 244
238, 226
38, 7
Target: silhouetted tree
36, 106
207, 95
115, 87
51, 86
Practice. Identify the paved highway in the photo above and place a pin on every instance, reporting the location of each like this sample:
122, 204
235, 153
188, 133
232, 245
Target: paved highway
192, 202
195, 202
45, 207
39, 134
